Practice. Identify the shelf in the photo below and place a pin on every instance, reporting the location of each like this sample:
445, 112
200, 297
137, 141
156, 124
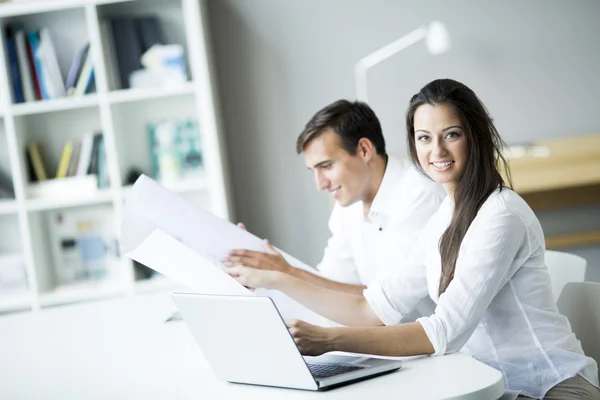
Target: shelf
40, 204
157, 284
140, 94
8, 207
75, 293
36, 7
61, 104
121, 115
14, 301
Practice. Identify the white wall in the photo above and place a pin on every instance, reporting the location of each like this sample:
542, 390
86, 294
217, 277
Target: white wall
534, 64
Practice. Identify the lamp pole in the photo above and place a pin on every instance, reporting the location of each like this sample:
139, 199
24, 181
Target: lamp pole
438, 41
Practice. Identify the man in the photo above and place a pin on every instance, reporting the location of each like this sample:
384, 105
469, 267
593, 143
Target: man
381, 203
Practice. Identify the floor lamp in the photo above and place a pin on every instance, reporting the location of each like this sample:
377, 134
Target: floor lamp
436, 37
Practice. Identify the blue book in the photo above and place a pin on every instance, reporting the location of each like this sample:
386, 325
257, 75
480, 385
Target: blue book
15, 76
34, 42
91, 84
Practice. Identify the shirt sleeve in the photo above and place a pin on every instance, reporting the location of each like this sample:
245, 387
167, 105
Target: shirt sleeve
492, 250
338, 262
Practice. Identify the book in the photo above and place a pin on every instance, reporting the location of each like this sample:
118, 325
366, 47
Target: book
85, 154
149, 33
74, 159
110, 55
85, 77
15, 76
37, 161
7, 190
102, 173
65, 158
37, 62
76, 66
50, 64
30, 60
127, 47
93, 167
24, 66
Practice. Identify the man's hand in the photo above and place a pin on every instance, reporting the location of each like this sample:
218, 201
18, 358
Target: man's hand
254, 278
271, 260
311, 340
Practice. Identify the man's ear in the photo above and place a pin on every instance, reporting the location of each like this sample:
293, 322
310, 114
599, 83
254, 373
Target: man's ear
365, 149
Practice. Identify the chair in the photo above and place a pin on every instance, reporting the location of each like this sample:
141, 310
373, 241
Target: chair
563, 268
580, 303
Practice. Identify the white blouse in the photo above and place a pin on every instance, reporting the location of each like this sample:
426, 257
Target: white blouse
499, 307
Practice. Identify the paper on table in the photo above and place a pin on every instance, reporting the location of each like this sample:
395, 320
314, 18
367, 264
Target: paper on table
186, 243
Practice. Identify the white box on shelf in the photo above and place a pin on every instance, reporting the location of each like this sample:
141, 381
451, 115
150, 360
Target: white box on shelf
70, 187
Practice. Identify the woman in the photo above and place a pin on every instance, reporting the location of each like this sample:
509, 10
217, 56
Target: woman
480, 258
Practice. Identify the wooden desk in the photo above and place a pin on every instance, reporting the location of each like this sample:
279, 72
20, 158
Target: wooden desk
557, 173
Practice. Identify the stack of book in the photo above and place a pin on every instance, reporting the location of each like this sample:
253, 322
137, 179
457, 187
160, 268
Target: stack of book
82, 166
35, 71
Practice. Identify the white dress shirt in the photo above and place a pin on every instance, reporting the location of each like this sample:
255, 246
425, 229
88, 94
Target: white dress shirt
499, 305
362, 247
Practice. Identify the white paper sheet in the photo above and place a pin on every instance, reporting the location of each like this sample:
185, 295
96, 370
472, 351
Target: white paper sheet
186, 243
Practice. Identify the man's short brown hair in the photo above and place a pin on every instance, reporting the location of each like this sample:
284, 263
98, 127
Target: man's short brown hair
351, 121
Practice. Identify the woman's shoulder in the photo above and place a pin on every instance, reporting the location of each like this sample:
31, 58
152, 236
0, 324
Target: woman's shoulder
507, 202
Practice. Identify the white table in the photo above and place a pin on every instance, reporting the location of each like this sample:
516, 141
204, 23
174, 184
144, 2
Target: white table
122, 349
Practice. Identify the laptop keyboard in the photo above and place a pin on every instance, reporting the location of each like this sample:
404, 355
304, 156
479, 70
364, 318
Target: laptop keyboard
327, 370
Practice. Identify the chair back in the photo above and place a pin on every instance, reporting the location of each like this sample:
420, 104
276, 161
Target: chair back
563, 268
580, 303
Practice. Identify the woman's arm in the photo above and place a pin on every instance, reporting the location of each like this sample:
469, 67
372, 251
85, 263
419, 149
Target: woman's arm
395, 341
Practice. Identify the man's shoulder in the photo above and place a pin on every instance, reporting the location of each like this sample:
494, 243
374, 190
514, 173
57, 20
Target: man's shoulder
413, 181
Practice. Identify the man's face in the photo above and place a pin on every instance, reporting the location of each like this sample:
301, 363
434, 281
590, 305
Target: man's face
344, 176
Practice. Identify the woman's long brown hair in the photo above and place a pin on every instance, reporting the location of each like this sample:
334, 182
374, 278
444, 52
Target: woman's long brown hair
481, 175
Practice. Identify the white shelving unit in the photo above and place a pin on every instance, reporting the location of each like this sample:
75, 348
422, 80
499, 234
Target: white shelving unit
122, 116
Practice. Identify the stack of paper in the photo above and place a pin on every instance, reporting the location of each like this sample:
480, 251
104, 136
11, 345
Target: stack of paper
186, 243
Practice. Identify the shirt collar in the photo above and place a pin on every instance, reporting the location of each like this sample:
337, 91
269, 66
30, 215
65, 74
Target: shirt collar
384, 200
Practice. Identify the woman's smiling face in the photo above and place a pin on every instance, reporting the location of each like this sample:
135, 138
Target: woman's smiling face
441, 144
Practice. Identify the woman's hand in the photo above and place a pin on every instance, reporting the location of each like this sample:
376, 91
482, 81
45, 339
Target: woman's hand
311, 340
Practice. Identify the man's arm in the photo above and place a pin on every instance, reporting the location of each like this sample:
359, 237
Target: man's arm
317, 280
347, 309
272, 260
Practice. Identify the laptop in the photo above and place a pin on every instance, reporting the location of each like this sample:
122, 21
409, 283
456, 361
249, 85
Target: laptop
245, 340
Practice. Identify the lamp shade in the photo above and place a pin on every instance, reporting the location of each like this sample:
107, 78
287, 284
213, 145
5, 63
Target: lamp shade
438, 39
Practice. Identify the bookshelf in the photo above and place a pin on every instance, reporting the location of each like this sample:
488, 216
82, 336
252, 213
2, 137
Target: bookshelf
28, 222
